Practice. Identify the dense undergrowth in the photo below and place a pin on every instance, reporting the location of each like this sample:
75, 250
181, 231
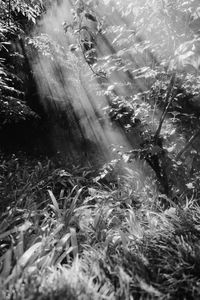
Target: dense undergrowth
65, 235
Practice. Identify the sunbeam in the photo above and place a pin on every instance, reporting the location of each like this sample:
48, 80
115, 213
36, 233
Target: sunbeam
71, 77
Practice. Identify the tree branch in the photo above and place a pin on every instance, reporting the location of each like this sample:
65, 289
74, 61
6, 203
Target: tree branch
168, 101
191, 140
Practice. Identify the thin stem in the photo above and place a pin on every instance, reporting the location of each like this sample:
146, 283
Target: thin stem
168, 102
191, 140
85, 58
9, 12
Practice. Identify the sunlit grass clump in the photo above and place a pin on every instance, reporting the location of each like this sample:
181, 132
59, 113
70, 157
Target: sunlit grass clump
66, 236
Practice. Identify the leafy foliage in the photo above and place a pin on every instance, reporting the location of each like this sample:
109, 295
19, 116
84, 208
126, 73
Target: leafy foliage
161, 64
13, 15
68, 232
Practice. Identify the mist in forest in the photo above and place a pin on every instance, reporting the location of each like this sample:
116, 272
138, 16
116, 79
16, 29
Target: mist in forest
67, 86
71, 93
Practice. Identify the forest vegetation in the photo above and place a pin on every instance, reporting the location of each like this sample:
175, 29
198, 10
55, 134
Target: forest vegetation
99, 149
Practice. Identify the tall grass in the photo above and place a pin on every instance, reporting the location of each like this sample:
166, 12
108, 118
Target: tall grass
65, 236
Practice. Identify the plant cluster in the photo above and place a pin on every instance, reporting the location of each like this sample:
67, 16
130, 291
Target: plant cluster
66, 237
16, 20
